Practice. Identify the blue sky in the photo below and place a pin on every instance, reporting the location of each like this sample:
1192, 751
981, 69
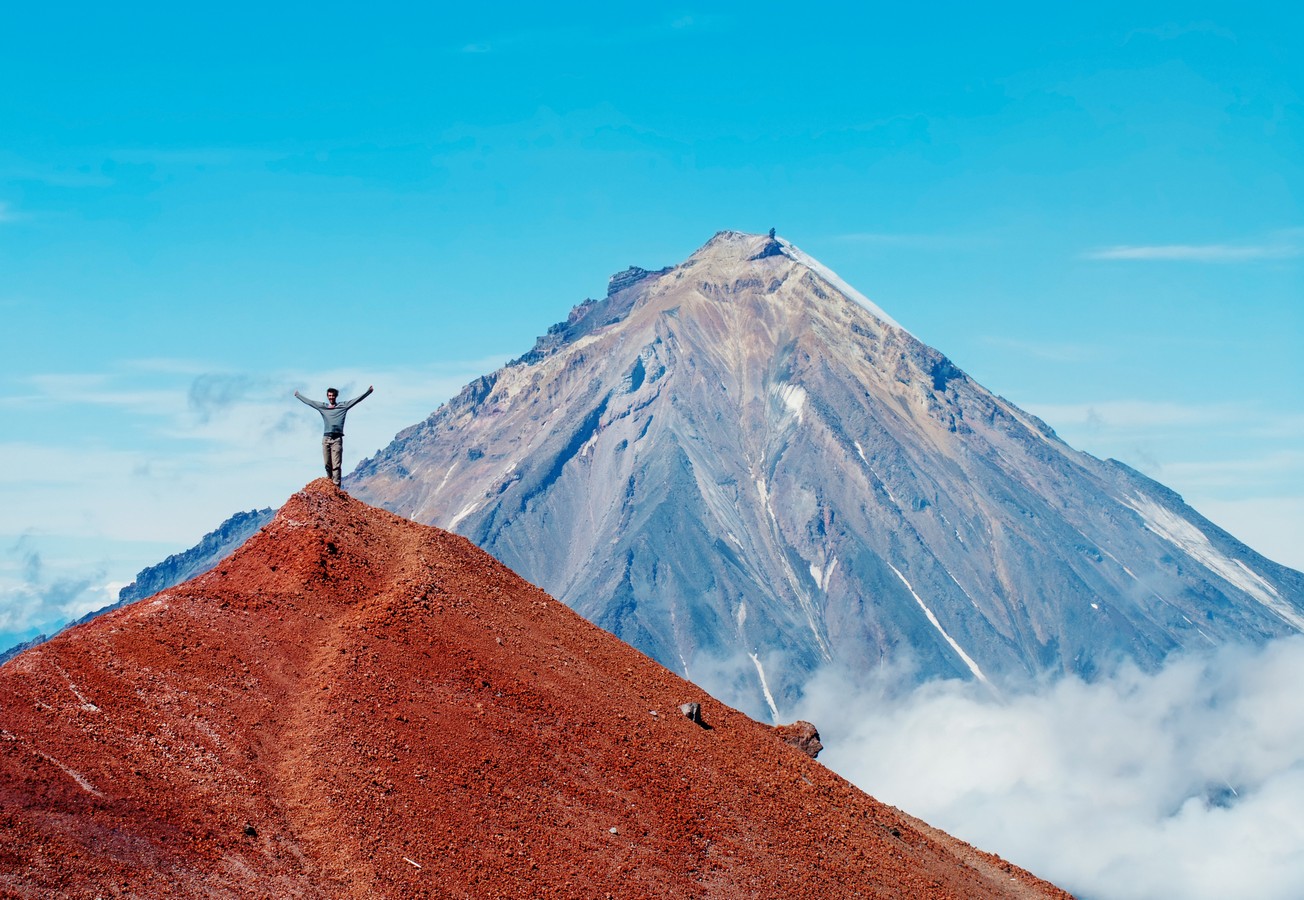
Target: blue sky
1095, 211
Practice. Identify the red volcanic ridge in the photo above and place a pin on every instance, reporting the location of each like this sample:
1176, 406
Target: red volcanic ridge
354, 705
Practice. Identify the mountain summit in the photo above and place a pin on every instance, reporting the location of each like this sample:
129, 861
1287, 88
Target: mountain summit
356, 706
739, 464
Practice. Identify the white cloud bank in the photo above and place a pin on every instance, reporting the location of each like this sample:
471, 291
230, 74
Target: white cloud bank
1185, 783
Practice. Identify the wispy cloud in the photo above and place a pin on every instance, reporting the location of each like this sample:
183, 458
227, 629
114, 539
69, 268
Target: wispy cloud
212, 393
1273, 526
45, 468
1201, 451
224, 440
33, 596
7, 213
1274, 480
1286, 245
93, 390
1145, 414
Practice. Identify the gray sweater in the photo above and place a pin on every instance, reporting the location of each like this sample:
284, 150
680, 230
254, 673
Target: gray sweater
332, 417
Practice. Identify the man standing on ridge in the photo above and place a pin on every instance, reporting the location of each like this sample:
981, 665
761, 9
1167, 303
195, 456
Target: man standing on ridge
332, 418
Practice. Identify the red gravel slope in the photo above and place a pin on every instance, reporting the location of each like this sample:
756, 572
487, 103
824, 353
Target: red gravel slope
355, 706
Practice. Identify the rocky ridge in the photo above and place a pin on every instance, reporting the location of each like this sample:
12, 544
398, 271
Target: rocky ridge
354, 705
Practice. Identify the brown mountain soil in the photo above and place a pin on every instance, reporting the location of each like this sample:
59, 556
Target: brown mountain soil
357, 706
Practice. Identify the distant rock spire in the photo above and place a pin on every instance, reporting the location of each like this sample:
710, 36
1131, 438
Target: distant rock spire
772, 248
625, 278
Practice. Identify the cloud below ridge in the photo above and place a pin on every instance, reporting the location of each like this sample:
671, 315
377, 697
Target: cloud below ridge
1182, 783
30, 597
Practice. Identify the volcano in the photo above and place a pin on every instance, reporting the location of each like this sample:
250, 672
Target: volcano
743, 467
355, 705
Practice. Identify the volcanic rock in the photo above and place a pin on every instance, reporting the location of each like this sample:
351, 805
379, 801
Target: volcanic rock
801, 735
357, 706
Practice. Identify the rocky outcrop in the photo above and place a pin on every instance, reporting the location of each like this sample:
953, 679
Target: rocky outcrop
625, 278
801, 735
772, 247
356, 706
693, 713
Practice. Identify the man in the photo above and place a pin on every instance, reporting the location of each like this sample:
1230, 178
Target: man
332, 418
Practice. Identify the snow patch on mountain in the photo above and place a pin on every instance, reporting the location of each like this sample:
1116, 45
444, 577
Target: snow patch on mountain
822, 574
764, 491
794, 397
972, 601
465, 511
841, 286
447, 475
968, 661
1195, 544
765, 686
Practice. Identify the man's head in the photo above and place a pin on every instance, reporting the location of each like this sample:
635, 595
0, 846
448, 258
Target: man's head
332, 395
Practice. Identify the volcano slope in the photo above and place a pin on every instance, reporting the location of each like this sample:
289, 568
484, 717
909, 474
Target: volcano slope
750, 472
355, 705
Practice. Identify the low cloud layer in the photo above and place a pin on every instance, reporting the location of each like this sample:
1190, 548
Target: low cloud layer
32, 596
1183, 783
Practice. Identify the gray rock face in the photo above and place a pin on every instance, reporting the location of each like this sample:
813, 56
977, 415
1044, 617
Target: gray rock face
16, 649
211, 549
740, 465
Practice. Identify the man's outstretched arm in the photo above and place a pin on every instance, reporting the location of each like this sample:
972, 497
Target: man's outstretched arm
348, 404
313, 403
